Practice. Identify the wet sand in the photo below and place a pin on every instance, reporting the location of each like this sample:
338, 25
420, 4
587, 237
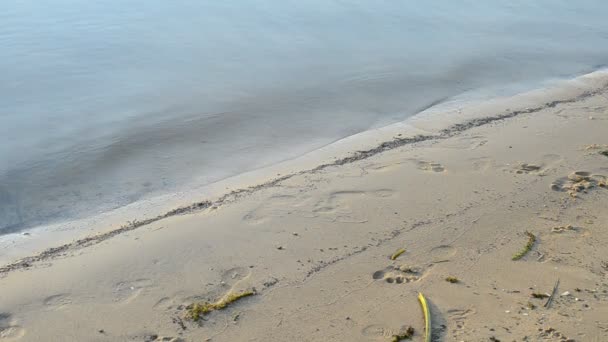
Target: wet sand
340, 249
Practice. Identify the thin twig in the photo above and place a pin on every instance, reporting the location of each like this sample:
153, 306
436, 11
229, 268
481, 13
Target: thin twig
550, 299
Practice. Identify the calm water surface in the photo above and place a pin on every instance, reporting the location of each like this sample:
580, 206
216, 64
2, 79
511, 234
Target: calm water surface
103, 103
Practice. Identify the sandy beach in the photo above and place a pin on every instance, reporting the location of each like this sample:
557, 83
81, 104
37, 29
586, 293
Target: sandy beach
337, 245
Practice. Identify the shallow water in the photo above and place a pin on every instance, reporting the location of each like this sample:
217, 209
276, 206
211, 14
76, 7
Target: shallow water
105, 103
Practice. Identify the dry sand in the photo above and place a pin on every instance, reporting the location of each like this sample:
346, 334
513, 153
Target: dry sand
315, 246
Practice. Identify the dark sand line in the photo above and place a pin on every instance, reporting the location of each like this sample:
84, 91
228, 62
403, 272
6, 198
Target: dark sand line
234, 195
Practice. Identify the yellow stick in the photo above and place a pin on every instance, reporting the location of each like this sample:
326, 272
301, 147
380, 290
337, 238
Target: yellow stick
427, 317
397, 253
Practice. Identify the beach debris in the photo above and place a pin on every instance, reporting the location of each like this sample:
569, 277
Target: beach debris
452, 280
406, 335
280, 248
604, 153
427, 317
579, 181
565, 294
198, 310
527, 247
552, 333
397, 253
550, 299
595, 147
541, 256
272, 281
178, 320
531, 306
150, 338
538, 295
561, 229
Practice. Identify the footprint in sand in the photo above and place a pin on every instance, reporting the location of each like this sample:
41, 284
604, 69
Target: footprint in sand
9, 329
398, 275
333, 207
579, 182
483, 164
459, 317
428, 166
164, 303
337, 205
156, 338
126, 291
442, 253
57, 301
527, 168
382, 193
377, 331
465, 142
379, 167
276, 206
234, 276
596, 149
569, 230
546, 163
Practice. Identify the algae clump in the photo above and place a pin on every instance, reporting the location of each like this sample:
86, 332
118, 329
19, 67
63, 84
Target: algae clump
452, 280
198, 310
527, 247
407, 335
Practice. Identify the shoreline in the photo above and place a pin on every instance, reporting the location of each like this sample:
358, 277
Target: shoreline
371, 143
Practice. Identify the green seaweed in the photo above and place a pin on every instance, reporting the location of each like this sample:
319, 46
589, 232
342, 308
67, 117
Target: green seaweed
452, 280
527, 247
198, 310
604, 153
397, 253
407, 335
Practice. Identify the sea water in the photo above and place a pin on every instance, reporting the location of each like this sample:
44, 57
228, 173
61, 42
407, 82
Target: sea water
105, 103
